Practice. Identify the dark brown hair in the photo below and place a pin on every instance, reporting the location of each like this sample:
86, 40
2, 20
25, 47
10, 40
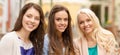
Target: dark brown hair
66, 35
37, 35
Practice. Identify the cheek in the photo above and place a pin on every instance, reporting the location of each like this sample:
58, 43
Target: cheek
80, 26
24, 20
92, 24
37, 23
55, 23
67, 23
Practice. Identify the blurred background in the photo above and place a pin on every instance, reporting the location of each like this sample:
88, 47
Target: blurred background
107, 11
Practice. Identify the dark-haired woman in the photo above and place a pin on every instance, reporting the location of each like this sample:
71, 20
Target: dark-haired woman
28, 34
58, 40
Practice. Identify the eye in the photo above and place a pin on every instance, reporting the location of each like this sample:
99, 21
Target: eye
37, 18
81, 22
58, 19
88, 20
29, 15
66, 19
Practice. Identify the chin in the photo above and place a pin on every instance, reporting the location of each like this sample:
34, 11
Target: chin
88, 32
61, 30
30, 30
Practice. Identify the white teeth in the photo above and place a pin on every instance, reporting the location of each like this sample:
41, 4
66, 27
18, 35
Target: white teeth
87, 28
30, 25
61, 27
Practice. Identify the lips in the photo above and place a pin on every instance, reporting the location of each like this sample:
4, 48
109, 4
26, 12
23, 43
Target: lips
30, 25
86, 28
62, 27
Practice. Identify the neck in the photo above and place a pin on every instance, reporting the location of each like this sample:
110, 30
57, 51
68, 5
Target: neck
23, 35
89, 36
91, 42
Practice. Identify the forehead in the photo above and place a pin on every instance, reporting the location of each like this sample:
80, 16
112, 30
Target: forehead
61, 13
32, 10
83, 16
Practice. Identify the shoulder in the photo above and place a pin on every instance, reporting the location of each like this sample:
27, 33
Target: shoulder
9, 36
46, 45
105, 33
77, 46
46, 37
8, 39
77, 42
8, 43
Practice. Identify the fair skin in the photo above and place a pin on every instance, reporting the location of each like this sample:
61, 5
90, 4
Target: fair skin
30, 22
86, 25
61, 22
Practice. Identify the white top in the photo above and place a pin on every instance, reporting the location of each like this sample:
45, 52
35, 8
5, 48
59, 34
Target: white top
10, 44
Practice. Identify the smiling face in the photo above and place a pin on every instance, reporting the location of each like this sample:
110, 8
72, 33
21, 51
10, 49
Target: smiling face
61, 20
31, 19
85, 23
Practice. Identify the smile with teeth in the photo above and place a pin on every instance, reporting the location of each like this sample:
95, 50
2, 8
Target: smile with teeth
30, 25
61, 27
87, 28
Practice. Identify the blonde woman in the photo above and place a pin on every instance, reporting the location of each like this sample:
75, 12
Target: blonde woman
94, 40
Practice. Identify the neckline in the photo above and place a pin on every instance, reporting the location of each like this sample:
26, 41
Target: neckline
93, 47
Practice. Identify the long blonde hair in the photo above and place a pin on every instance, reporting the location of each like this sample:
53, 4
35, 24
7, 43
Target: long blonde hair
101, 35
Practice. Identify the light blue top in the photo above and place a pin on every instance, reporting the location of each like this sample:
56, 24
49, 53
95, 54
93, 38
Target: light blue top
93, 50
45, 46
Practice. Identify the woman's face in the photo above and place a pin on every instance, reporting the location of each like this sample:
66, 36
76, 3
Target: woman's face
61, 20
85, 23
31, 19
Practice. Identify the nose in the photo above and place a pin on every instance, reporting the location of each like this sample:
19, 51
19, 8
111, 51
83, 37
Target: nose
62, 21
85, 23
33, 19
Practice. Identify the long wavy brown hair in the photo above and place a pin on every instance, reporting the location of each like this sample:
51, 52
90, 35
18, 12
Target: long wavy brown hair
54, 44
37, 35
